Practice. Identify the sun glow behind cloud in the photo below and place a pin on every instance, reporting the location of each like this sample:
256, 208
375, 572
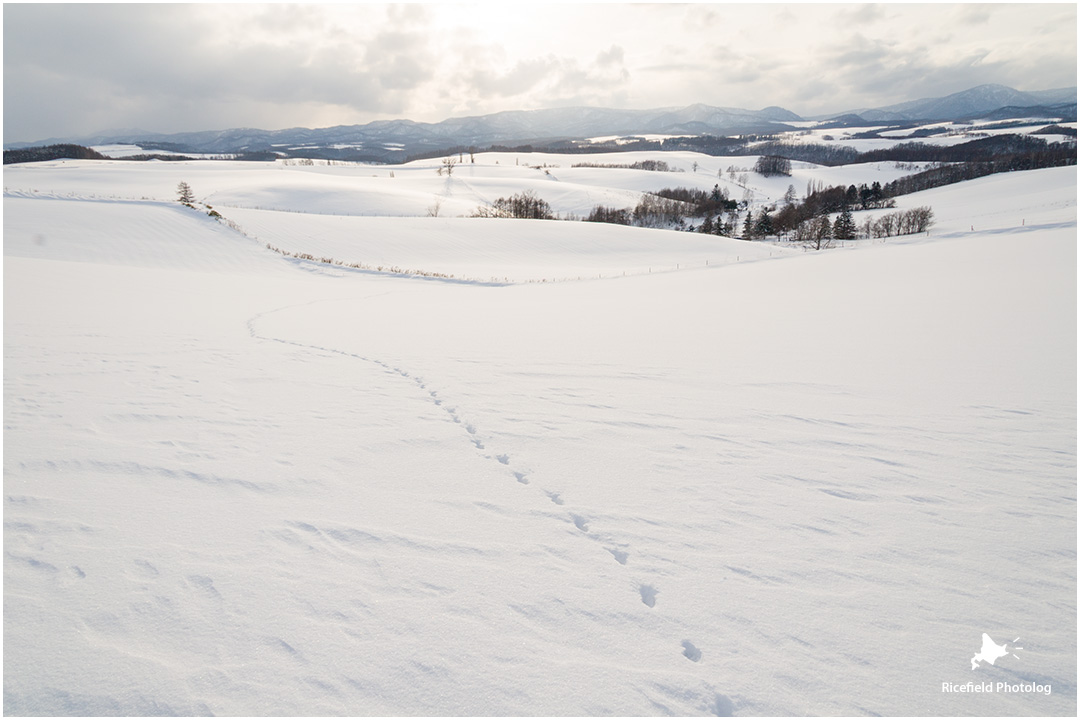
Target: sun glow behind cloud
83, 68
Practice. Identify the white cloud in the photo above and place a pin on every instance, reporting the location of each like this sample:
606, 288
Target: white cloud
76, 69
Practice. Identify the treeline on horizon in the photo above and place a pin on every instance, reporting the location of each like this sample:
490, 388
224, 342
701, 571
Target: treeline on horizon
977, 150
69, 151
51, 152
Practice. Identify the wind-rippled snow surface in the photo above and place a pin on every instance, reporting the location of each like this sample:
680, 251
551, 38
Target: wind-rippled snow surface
241, 484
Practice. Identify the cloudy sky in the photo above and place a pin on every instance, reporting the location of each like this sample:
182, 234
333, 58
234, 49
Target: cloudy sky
72, 70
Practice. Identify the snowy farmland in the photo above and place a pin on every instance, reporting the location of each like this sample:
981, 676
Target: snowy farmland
601, 470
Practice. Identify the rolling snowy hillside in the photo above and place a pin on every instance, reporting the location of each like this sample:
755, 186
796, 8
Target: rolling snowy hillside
780, 483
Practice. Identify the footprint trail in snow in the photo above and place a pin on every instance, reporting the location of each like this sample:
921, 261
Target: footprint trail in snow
647, 592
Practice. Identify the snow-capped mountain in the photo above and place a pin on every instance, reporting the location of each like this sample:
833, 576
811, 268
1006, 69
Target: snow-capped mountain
969, 103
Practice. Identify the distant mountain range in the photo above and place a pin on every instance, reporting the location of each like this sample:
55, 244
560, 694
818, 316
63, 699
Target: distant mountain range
393, 140
970, 104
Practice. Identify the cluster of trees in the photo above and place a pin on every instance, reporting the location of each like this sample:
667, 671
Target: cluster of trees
904, 222
808, 222
668, 206
712, 144
653, 165
978, 150
718, 226
654, 210
703, 203
819, 231
68, 151
769, 165
1056, 130
164, 158
605, 214
833, 198
817, 153
949, 174
526, 205
996, 147
51, 152
758, 227
821, 201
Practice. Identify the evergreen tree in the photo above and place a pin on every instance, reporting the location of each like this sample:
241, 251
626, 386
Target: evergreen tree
851, 195
748, 226
844, 227
707, 226
184, 194
865, 194
763, 227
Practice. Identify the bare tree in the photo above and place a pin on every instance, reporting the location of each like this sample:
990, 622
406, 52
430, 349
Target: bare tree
789, 196
525, 205
814, 233
448, 165
904, 222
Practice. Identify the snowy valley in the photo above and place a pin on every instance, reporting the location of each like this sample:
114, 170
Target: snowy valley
346, 450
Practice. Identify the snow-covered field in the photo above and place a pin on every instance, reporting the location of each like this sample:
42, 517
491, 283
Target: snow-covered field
782, 483
940, 133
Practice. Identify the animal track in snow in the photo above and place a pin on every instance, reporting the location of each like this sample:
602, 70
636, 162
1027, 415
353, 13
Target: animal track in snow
621, 556
205, 584
146, 568
648, 593
722, 706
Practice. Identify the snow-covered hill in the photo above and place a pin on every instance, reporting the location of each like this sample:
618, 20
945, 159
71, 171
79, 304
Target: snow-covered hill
784, 483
